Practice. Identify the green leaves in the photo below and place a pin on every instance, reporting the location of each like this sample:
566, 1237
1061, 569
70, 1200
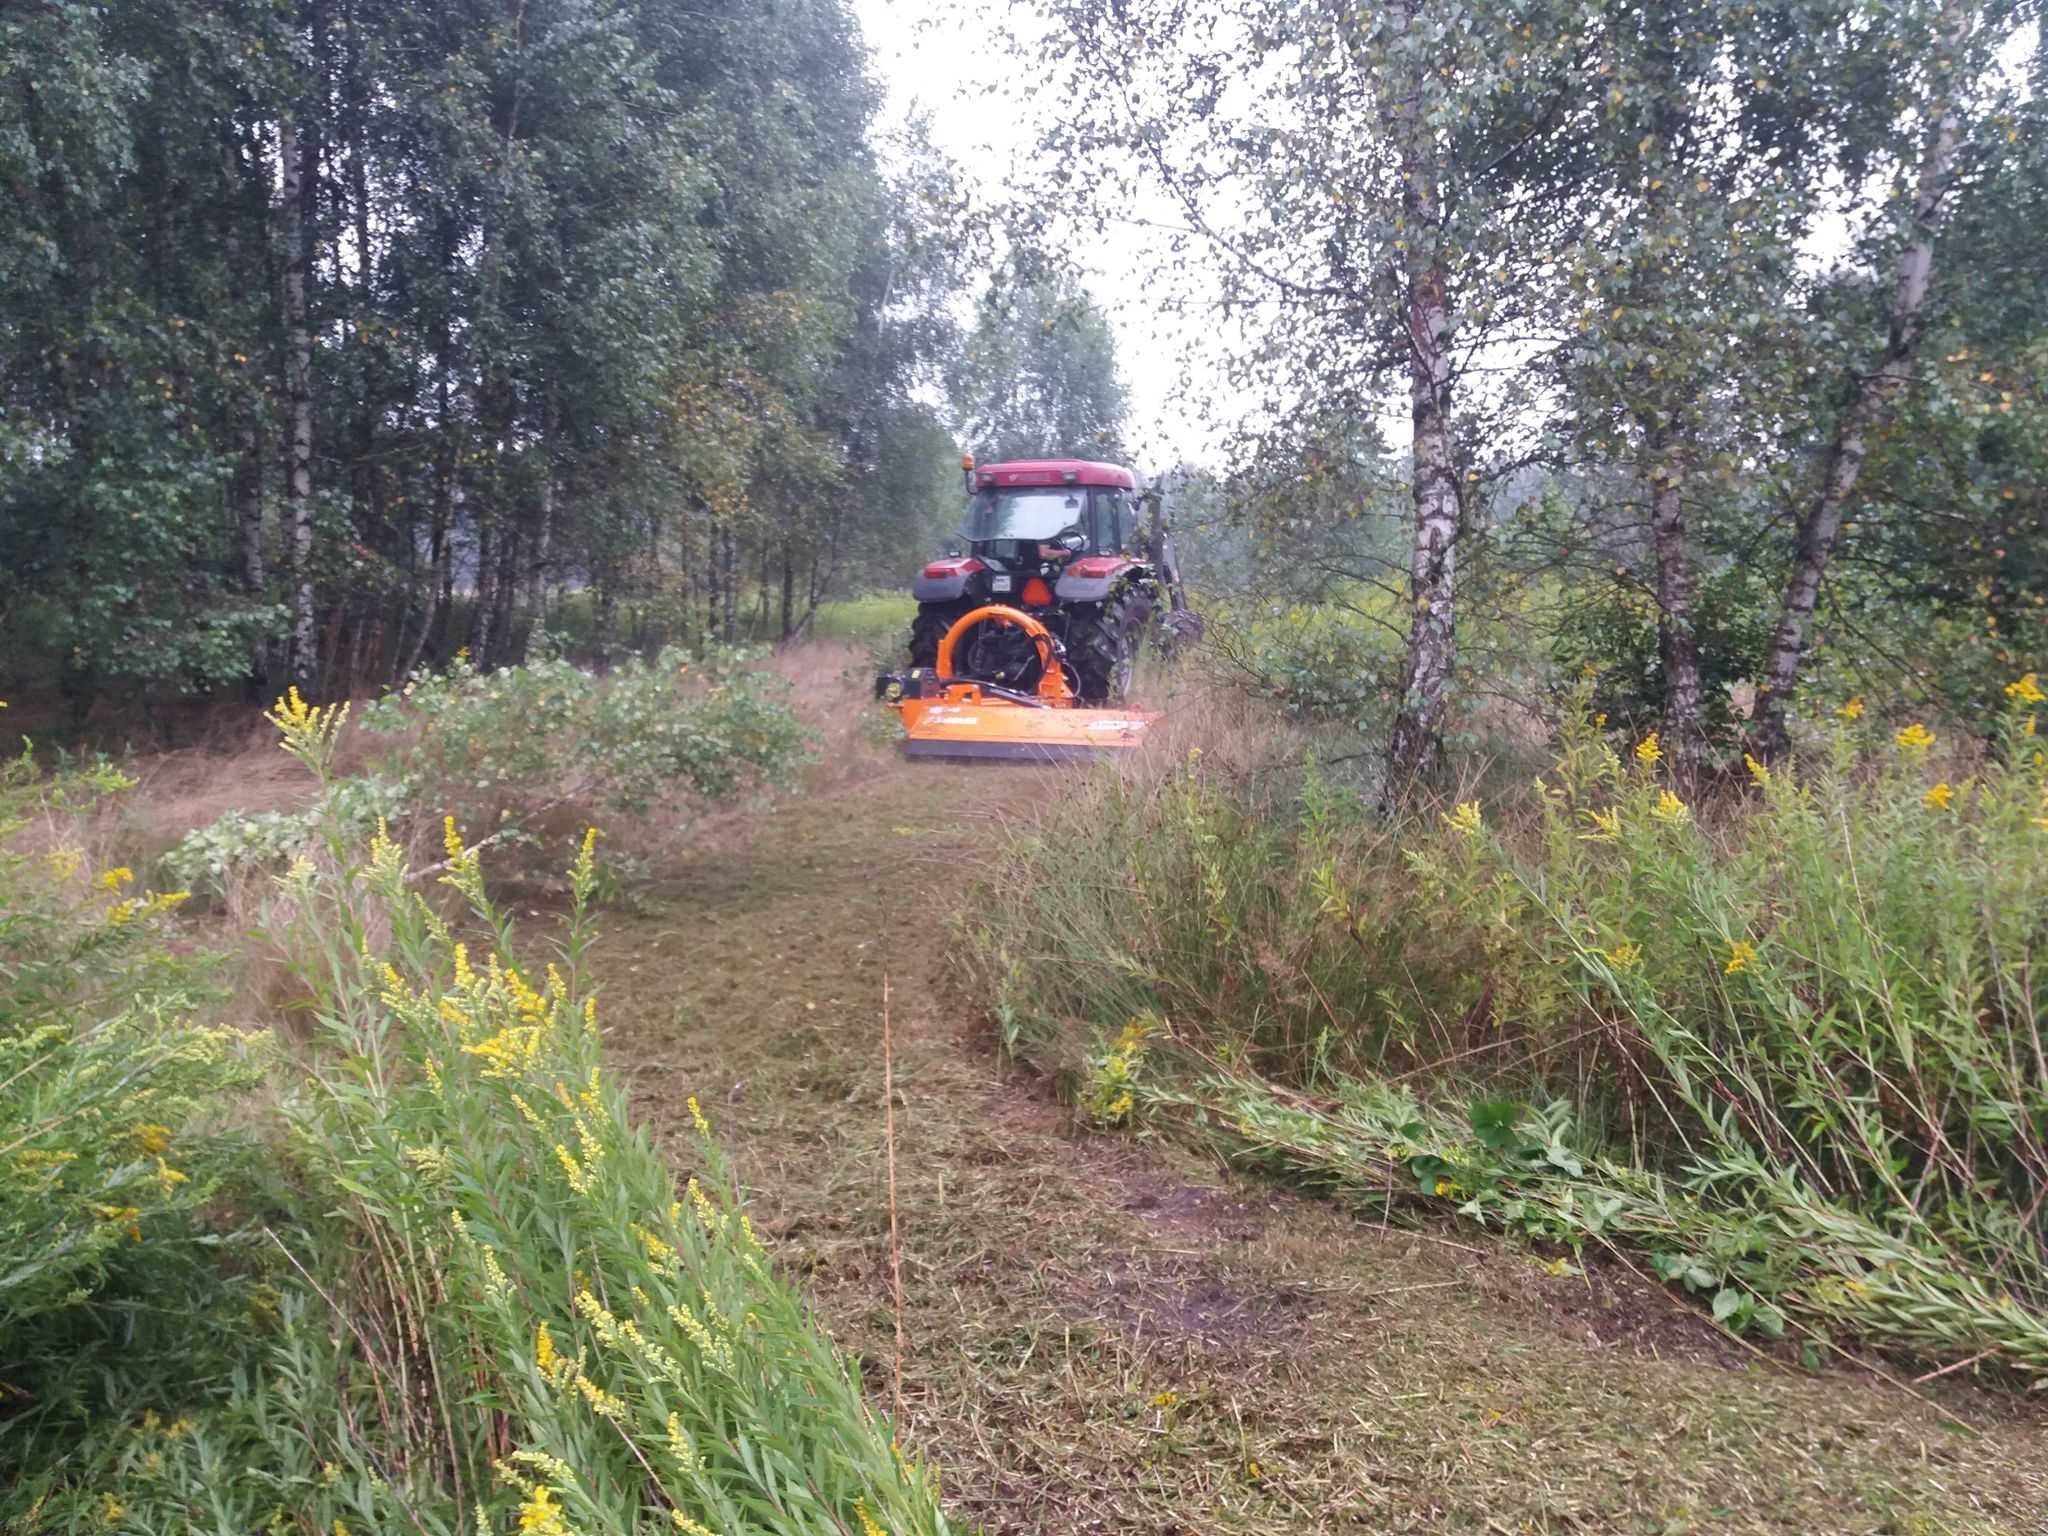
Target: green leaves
1038, 375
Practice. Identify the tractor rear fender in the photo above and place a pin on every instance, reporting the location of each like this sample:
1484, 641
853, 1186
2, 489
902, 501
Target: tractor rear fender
1092, 578
944, 580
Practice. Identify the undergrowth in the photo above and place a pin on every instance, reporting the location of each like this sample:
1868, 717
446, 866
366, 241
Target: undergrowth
403, 1264
1787, 1045
519, 747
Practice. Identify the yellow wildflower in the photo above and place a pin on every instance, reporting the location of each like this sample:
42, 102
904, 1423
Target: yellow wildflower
1466, 820
2027, 690
1648, 752
111, 1508
64, 862
1759, 775
165, 901
657, 1250
1939, 797
1606, 825
679, 1445
583, 873
1625, 957
1853, 710
578, 1180
1669, 808
1446, 1187
713, 1219
697, 1115
169, 1178
508, 1051
114, 879
540, 1515
451, 837
125, 1214
308, 732
1253, 1471
544, 1350
1165, 1399
601, 1402
868, 1527
1740, 953
687, 1526
152, 1138
1914, 738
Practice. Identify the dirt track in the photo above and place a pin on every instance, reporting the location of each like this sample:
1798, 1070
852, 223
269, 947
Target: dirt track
1106, 1337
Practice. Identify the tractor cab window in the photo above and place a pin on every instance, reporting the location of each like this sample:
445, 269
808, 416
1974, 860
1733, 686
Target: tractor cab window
1026, 513
1113, 521
1039, 514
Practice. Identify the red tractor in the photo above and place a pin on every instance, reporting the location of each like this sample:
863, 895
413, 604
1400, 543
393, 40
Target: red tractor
1062, 540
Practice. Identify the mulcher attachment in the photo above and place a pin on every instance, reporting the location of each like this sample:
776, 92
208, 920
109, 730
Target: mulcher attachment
948, 716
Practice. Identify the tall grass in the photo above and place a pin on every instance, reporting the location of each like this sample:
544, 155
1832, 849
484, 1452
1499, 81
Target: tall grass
442, 1283
870, 618
1790, 1043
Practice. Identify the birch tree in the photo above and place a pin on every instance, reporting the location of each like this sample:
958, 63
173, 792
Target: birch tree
1376, 197
1873, 389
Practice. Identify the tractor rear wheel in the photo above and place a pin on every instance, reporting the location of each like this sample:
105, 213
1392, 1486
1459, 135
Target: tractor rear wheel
926, 631
1105, 648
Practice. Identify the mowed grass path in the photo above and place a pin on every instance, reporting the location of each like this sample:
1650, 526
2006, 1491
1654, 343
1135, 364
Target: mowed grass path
1104, 1336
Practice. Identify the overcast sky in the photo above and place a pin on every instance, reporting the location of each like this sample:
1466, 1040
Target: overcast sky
937, 58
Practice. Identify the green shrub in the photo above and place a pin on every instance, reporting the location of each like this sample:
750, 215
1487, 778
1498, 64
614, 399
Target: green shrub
208, 859
1608, 633
550, 733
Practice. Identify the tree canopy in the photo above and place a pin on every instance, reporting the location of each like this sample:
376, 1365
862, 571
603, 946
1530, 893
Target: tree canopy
341, 334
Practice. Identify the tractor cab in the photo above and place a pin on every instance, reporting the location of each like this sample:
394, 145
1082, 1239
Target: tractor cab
1011, 518
1029, 521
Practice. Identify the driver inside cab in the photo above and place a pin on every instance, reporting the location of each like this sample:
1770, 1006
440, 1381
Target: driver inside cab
1065, 544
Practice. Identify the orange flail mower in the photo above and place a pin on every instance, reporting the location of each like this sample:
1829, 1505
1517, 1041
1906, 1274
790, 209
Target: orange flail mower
946, 715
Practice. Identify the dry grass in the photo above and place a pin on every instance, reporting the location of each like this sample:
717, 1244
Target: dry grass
1060, 1284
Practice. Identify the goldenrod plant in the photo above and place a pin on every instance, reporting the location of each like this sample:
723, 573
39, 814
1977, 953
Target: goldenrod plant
467, 1293
104, 1058
1786, 1042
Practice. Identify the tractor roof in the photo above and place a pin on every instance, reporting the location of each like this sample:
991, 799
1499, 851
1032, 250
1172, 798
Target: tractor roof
1054, 472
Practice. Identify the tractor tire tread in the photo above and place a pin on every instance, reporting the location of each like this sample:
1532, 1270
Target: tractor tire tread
1103, 649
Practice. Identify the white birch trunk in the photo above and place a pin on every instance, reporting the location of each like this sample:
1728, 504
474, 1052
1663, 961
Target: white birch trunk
1872, 400
1415, 745
1678, 650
